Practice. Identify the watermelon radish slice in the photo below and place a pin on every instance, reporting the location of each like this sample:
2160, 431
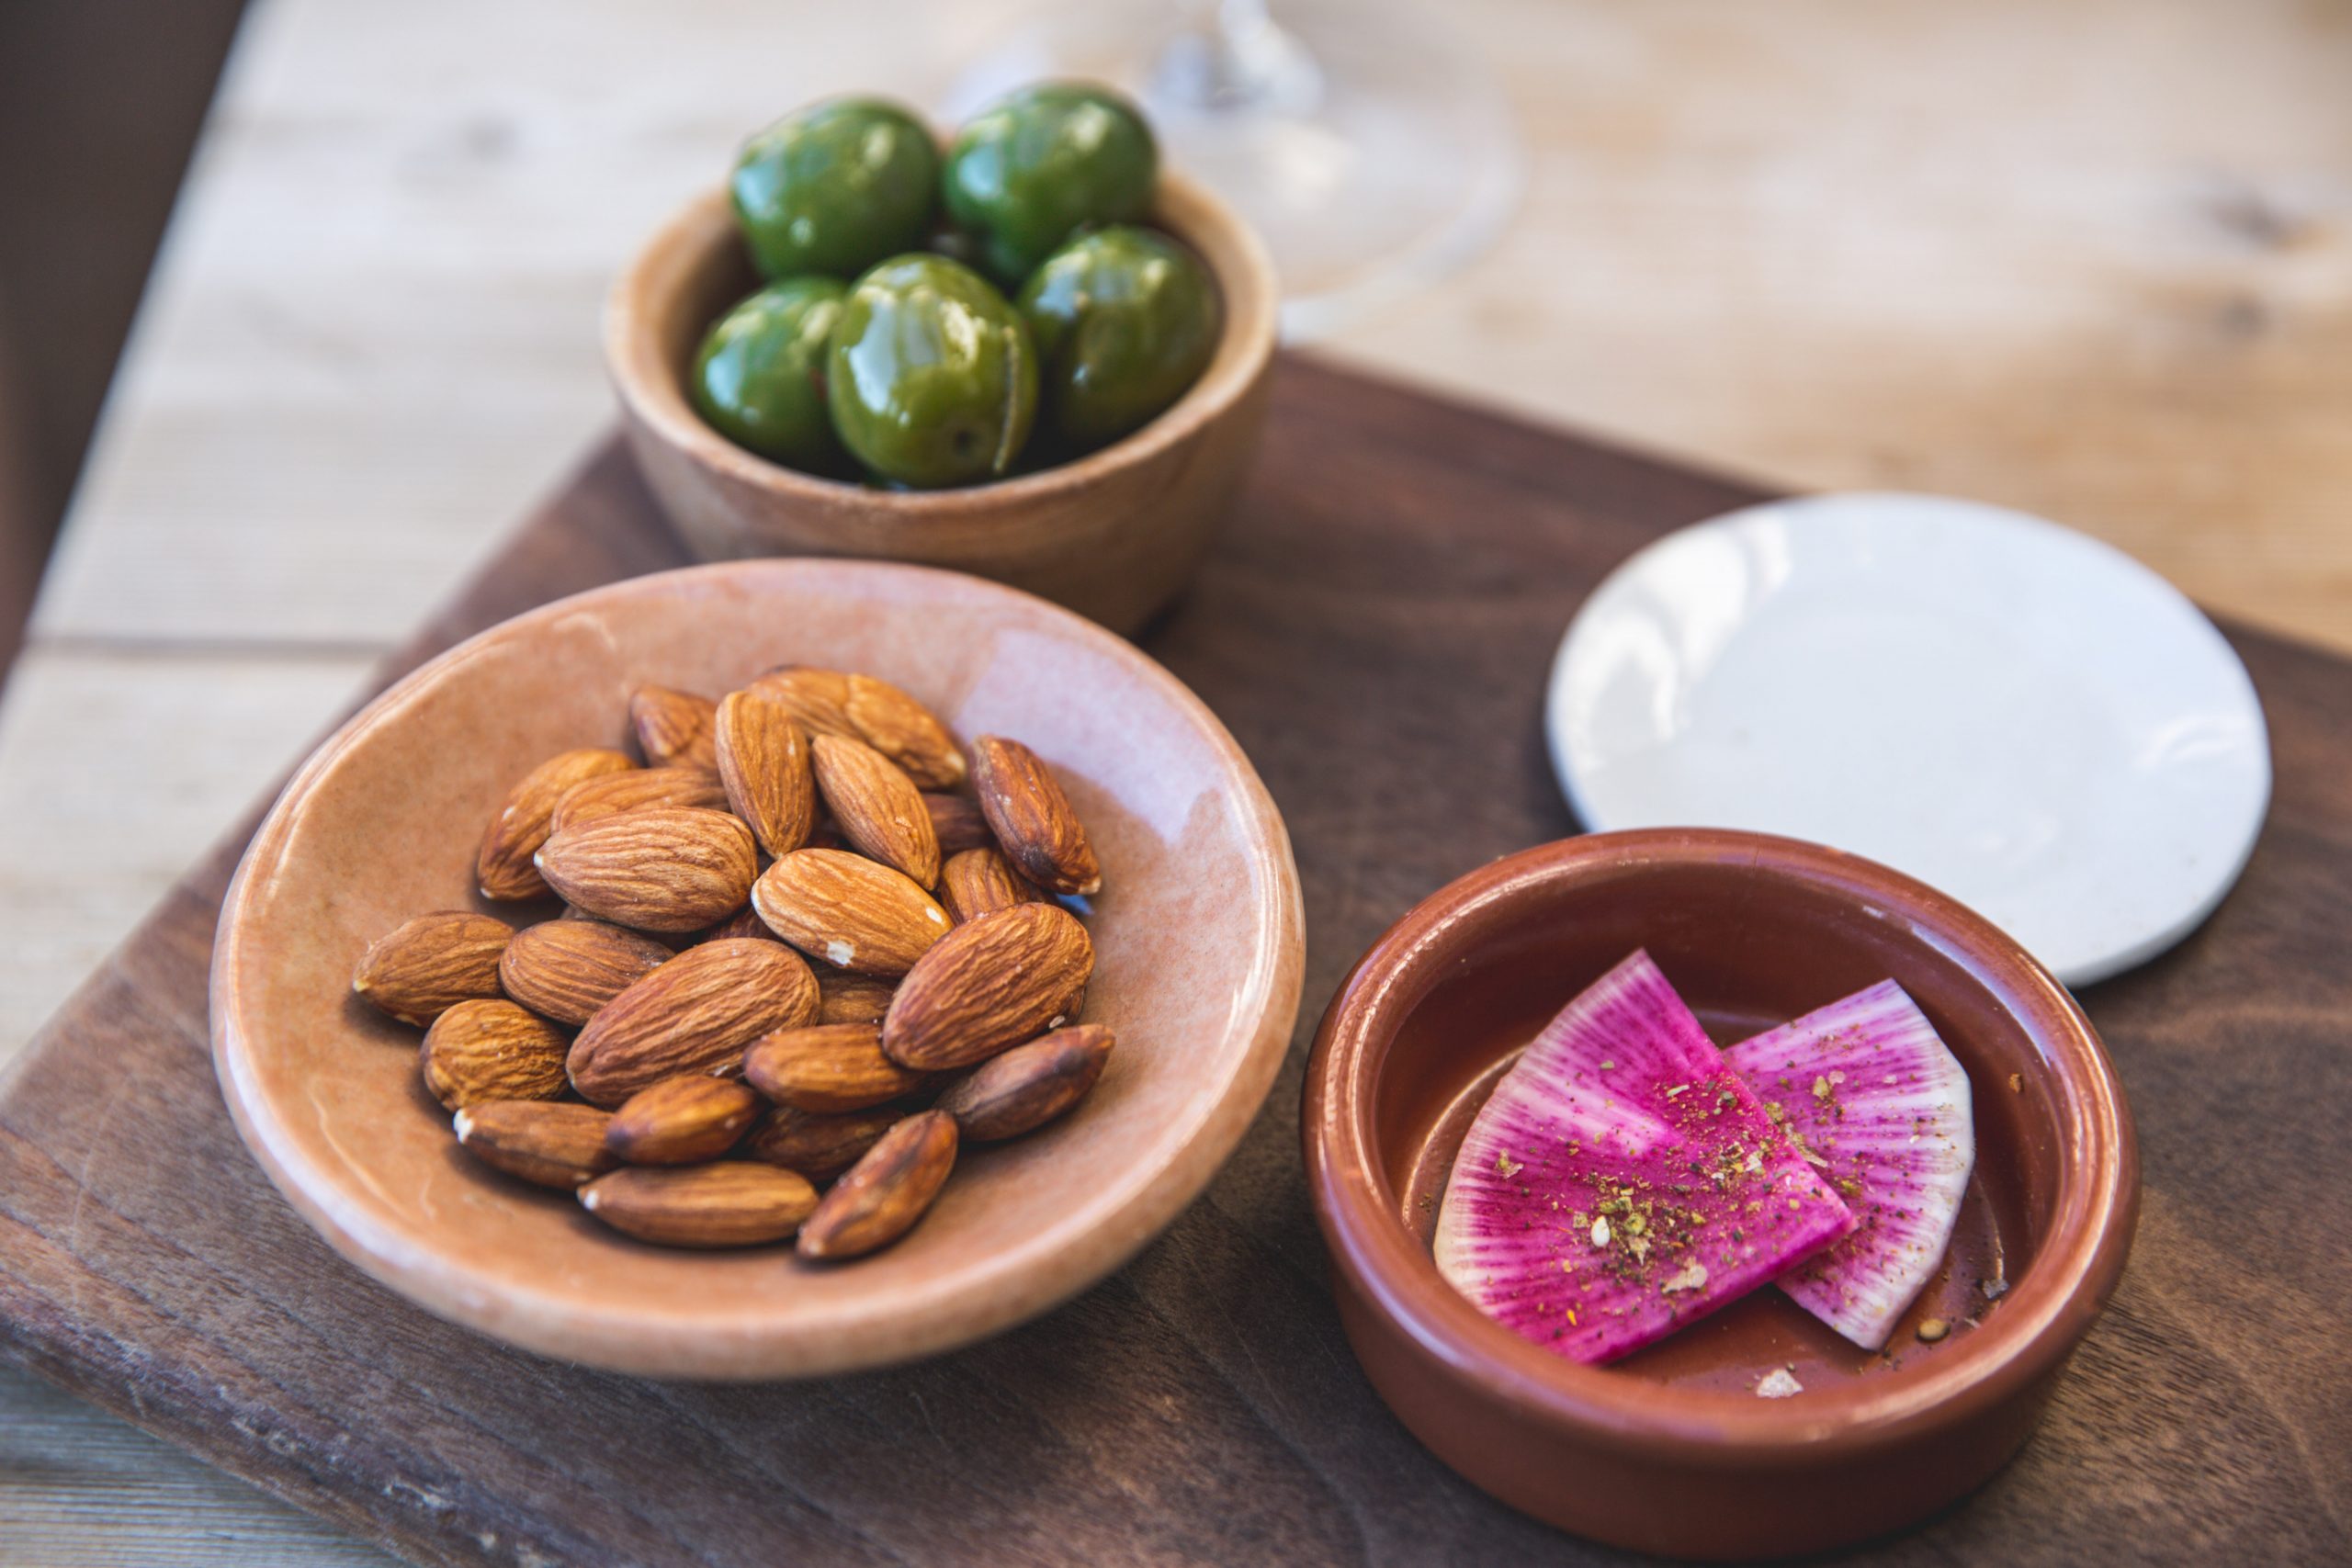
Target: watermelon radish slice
1622, 1181
1872, 1098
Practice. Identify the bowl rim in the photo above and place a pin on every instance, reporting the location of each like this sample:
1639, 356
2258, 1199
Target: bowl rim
655, 395
2042, 1316
958, 1307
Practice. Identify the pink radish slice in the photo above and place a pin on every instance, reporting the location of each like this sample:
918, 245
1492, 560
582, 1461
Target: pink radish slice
1867, 1089
1621, 1180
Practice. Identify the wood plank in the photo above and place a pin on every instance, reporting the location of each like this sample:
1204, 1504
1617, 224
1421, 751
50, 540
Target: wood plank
1400, 569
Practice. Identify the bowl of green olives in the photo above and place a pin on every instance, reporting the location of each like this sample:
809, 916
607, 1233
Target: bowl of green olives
1026, 351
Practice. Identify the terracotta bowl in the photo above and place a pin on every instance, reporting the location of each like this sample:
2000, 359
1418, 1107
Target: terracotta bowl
1115, 535
1197, 939
1671, 1450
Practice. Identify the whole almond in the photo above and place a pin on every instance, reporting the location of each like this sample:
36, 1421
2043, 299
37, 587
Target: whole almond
828, 1066
817, 1145
876, 807
846, 997
549, 1142
852, 912
881, 1197
505, 868
695, 1014
733, 1204
682, 1121
1031, 817
431, 964
957, 824
663, 869
764, 762
981, 882
863, 707
673, 727
987, 985
492, 1050
609, 795
566, 970
1029, 1085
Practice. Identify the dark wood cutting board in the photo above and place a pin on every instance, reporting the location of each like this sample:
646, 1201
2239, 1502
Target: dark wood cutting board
1375, 630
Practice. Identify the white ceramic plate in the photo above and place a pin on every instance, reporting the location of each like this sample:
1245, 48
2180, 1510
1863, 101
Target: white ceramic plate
2015, 714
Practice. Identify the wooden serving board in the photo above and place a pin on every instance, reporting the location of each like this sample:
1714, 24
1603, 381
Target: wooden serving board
1375, 630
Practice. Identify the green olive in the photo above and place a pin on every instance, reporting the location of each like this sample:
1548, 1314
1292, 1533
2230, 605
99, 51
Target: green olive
759, 377
836, 187
1028, 170
930, 376
1124, 320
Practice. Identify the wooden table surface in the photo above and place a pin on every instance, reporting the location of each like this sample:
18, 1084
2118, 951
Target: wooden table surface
2090, 256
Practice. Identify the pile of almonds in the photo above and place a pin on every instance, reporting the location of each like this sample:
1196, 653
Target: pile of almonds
665, 1050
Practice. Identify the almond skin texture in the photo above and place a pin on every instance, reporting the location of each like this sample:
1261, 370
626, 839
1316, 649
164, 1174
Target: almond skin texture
1029, 1085
844, 998
663, 869
884, 1194
428, 965
743, 925
987, 985
735, 1203
1031, 817
492, 1050
566, 970
609, 795
848, 911
817, 1145
695, 1014
981, 882
673, 727
957, 824
547, 1142
504, 869
827, 701
763, 762
876, 807
828, 1066
682, 1121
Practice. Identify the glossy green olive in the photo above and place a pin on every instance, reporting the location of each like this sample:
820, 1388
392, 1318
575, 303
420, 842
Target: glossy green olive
759, 377
1124, 320
1028, 170
836, 187
930, 376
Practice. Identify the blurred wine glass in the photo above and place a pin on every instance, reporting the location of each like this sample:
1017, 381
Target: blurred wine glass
1368, 143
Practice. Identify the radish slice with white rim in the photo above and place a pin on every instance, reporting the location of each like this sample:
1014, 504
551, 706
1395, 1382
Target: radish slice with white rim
1868, 1089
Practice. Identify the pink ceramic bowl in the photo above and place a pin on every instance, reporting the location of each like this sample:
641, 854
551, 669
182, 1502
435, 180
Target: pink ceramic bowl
1197, 937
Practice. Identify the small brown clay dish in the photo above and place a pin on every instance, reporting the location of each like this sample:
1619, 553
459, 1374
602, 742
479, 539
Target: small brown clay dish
1671, 1450
1196, 934
1113, 535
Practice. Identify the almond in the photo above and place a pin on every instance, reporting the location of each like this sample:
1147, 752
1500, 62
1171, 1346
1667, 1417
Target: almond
845, 998
566, 970
552, 1142
849, 911
957, 824
1031, 817
764, 762
827, 701
695, 1014
735, 1204
673, 727
817, 1145
503, 868
609, 795
876, 807
987, 985
492, 1050
433, 963
663, 869
981, 882
744, 924
828, 1066
882, 1196
682, 1121
1029, 1085
817, 699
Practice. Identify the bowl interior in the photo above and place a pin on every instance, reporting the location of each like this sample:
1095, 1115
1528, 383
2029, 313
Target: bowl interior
1196, 935
1748, 947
